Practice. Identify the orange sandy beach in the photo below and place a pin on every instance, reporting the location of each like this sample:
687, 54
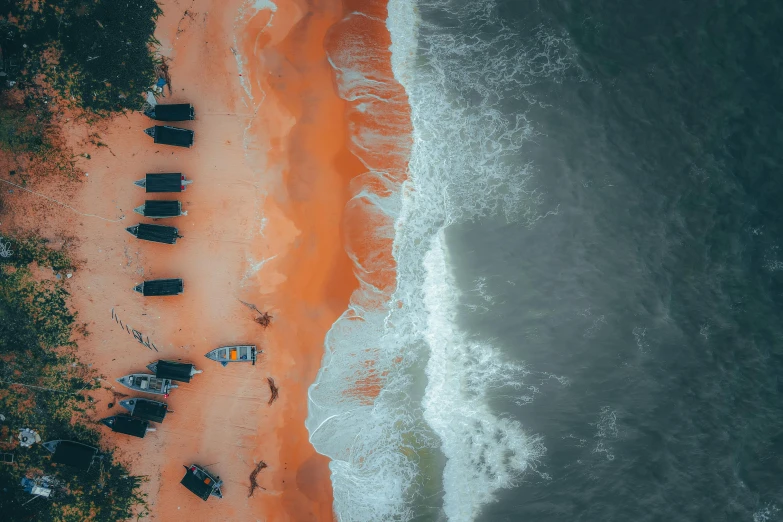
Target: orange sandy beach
271, 168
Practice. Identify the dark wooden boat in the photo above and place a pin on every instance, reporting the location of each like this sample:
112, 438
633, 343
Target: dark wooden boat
164, 182
231, 354
128, 425
201, 483
146, 409
147, 383
168, 135
155, 233
160, 287
171, 112
71, 453
173, 370
160, 209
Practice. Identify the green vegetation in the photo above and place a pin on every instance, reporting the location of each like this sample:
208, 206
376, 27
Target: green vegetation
94, 58
29, 249
97, 55
20, 132
28, 133
43, 386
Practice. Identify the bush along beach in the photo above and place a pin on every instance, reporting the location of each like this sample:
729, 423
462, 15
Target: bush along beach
44, 387
59, 59
62, 59
95, 55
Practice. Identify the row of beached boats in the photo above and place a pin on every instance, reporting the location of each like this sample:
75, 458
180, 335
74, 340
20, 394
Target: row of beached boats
161, 381
167, 182
164, 182
143, 411
156, 209
164, 375
167, 134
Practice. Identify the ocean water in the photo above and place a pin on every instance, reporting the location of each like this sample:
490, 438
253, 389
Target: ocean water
584, 316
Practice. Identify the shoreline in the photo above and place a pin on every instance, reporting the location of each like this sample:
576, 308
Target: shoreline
349, 417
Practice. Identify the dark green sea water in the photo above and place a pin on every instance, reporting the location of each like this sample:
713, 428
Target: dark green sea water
656, 290
586, 323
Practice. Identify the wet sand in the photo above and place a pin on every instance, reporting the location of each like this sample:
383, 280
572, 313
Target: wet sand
270, 169
310, 279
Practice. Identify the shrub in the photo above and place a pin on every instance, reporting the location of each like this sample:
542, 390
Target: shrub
44, 386
97, 55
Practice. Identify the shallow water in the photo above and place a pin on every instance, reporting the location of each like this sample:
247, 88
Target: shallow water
585, 324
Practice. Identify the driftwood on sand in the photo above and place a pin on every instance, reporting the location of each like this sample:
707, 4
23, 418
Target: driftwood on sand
253, 484
273, 389
115, 394
263, 318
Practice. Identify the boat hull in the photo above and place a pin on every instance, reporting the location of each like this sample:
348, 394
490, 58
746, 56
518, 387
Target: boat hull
146, 409
163, 182
160, 287
155, 209
202, 483
155, 233
233, 354
171, 112
168, 135
175, 371
147, 383
127, 425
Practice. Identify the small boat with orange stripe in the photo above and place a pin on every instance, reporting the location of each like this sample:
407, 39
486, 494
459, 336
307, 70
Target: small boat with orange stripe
231, 354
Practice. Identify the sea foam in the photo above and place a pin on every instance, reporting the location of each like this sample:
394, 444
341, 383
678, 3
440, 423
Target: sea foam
485, 452
399, 381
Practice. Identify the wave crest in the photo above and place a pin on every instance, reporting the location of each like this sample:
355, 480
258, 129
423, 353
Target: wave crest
400, 386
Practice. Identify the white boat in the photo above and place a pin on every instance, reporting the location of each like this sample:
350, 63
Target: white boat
232, 354
147, 383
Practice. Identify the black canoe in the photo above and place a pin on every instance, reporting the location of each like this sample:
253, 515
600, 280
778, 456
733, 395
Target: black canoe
160, 287
146, 409
175, 371
127, 425
171, 112
167, 135
160, 209
155, 233
166, 182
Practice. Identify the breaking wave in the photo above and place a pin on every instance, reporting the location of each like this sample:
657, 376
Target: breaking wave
400, 403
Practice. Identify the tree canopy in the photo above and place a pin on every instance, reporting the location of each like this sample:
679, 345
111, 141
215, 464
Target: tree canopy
98, 55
